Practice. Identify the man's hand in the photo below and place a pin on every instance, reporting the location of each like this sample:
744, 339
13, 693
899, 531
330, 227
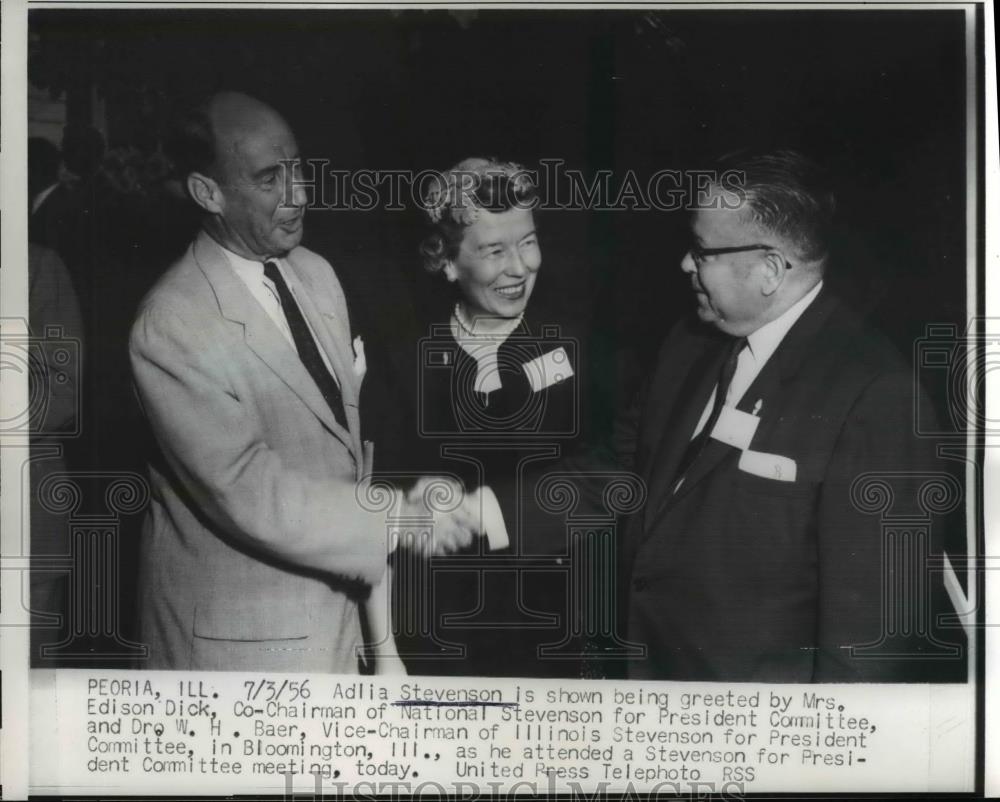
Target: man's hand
453, 516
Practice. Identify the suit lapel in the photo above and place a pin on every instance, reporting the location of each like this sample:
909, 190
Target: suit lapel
767, 387
334, 337
261, 335
332, 333
679, 425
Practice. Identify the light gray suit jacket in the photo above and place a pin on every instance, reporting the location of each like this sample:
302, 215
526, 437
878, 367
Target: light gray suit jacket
256, 545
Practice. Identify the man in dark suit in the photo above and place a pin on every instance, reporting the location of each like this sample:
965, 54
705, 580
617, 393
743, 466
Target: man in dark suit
757, 556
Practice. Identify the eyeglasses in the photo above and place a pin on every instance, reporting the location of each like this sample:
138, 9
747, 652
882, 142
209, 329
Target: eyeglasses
700, 254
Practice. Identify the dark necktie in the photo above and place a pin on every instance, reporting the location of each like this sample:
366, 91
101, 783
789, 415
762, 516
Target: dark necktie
305, 344
698, 443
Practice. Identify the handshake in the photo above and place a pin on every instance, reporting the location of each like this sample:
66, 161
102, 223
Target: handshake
441, 517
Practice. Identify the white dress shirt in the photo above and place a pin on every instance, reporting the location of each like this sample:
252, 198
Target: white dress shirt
251, 273
761, 344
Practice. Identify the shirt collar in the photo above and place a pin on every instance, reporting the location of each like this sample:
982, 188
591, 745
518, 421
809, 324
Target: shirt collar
246, 268
767, 338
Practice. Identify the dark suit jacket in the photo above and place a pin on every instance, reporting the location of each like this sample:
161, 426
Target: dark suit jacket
494, 604
740, 577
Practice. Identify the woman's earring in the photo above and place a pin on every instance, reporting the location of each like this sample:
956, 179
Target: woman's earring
449, 271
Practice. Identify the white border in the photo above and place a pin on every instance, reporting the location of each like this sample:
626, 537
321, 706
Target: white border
991, 515
14, 646
13, 304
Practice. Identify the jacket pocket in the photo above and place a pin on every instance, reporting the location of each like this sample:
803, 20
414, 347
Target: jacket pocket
760, 486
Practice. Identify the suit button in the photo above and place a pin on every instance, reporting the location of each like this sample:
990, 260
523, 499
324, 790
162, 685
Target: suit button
640, 584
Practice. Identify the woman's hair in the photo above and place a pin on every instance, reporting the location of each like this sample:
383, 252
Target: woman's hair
455, 198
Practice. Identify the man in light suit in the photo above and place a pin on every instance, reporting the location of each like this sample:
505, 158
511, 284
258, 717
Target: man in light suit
258, 549
752, 560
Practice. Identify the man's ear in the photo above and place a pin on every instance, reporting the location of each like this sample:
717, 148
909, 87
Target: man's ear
205, 192
450, 272
773, 267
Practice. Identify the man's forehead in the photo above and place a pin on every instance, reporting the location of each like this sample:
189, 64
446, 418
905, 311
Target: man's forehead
263, 144
252, 134
707, 221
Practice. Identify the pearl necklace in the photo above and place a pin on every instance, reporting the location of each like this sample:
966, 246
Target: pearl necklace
470, 329
483, 348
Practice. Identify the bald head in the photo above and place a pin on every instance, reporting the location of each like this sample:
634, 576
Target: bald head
240, 166
212, 127
240, 123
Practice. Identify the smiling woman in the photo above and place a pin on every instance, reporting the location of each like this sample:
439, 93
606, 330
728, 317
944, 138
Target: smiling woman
483, 241
484, 236
496, 264
496, 392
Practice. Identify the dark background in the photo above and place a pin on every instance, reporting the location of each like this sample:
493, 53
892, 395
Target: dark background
879, 96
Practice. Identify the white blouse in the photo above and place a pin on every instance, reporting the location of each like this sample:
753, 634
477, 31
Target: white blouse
481, 339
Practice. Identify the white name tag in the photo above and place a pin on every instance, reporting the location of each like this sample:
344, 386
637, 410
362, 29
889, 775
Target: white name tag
735, 428
548, 369
768, 466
